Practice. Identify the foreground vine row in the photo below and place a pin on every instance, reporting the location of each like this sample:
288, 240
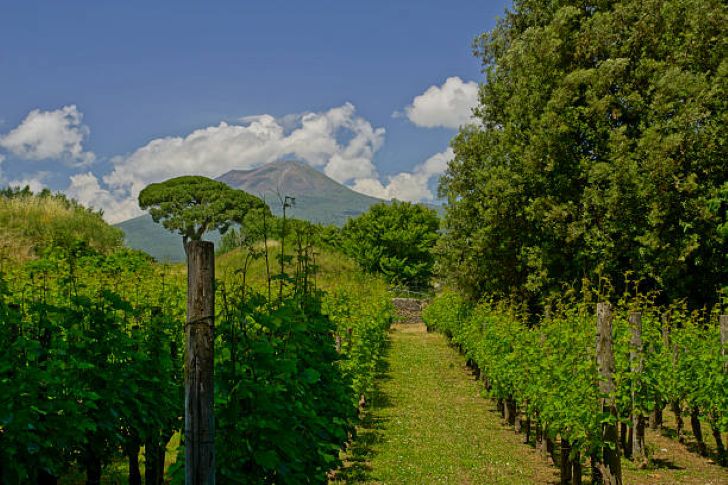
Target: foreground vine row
546, 377
91, 370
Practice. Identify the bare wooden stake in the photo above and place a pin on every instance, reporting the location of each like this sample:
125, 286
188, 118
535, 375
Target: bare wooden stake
636, 364
566, 465
724, 340
723, 351
698, 430
576, 473
611, 470
199, 361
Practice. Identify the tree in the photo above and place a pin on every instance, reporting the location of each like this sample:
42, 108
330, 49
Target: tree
599, 148
191, 206
395, 240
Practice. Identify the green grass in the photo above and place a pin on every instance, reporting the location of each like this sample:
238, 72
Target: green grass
428, 423
29, 223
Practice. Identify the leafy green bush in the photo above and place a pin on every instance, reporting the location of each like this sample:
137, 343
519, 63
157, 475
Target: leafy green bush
92, 366
286, 399
395, 240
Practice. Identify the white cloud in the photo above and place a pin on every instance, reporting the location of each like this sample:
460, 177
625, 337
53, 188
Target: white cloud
266, 142
447, 106
58, 134
409, 186
117, 206
212, 151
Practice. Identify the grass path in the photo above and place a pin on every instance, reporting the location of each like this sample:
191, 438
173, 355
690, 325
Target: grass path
427, 423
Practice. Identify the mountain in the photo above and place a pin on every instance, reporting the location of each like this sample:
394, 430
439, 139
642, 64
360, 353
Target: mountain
318, 199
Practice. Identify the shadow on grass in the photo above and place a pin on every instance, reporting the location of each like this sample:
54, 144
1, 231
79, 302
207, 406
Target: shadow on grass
691, 444
659, 463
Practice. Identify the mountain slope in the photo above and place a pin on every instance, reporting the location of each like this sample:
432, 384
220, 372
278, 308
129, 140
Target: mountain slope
318, 199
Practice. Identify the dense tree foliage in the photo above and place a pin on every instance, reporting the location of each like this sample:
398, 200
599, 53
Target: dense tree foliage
599, 149
394, 239
193, 205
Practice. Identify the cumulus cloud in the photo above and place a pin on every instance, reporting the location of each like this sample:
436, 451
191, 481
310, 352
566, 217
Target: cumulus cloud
117, 205
409, 186
58, 134
447, 106
337, 141
254, 141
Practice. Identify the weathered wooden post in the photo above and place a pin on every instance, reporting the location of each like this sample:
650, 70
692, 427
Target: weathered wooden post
610, 468
566, 467
724, 340
192, 206
723, 320
199, 361
636, 363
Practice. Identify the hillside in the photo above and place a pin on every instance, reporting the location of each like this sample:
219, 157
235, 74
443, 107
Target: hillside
318, 199
29, 223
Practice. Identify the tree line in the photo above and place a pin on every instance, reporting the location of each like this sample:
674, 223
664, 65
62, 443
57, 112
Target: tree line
597, 155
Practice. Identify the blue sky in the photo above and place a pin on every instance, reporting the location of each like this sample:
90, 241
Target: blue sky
98, 98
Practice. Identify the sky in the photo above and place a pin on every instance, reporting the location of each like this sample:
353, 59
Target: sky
100, 98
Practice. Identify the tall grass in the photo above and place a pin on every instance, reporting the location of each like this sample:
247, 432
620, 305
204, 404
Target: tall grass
30, 223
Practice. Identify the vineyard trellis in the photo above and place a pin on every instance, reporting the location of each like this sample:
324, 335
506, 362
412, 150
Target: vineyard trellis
549, 374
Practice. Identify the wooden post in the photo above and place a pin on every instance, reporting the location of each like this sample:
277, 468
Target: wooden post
636, 364
724, 340
722, 456
566, 466
199, 384
611, 467
698, 430
675, 404
526, 425
510, 411
576, 472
